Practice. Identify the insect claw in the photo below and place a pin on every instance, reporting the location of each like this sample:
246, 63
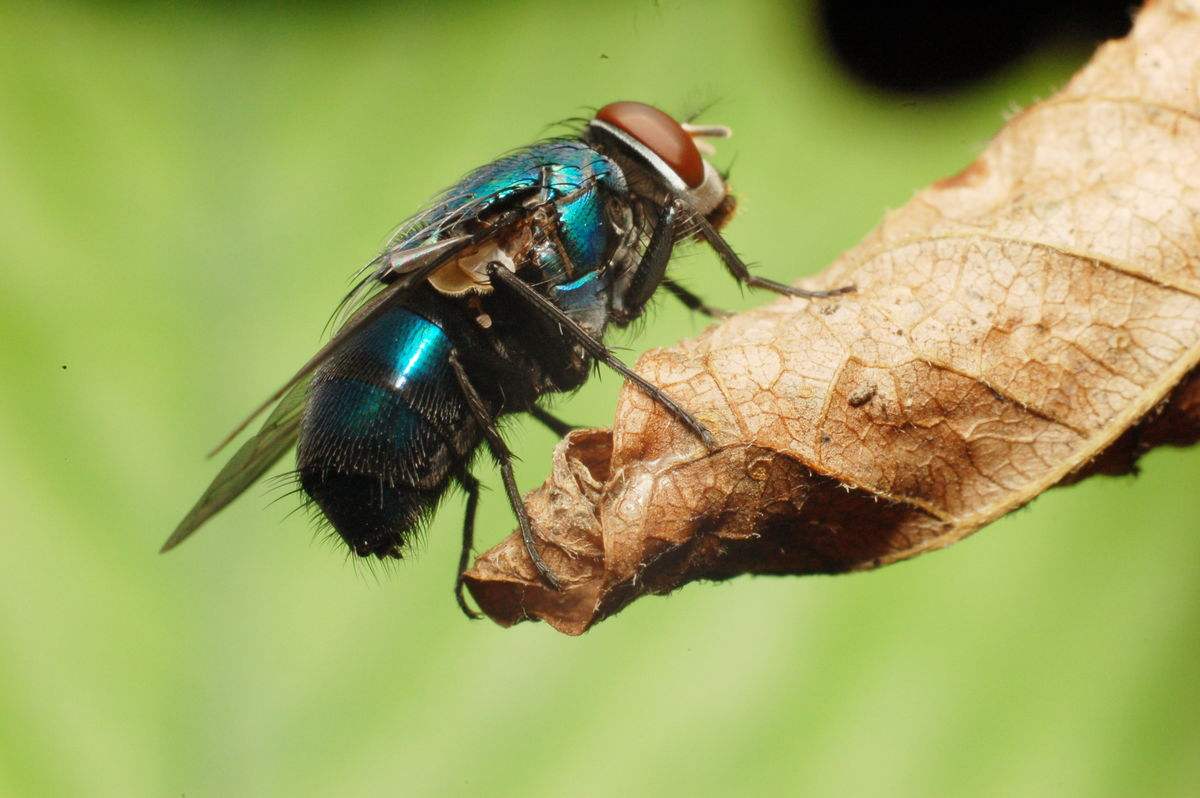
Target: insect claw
820, 294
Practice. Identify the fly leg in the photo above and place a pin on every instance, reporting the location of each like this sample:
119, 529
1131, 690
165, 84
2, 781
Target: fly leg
551, 421
595, 348
471, 485
504, 457
741, 272
693, 302
649, 272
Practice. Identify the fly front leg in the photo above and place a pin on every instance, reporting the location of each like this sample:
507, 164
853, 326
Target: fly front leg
649, 272
737, 267
693, 302
504, 458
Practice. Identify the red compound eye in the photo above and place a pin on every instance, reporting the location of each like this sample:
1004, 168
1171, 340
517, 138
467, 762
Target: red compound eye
661, 134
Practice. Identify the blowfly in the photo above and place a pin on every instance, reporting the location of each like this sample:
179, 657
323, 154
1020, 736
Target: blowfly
495, 296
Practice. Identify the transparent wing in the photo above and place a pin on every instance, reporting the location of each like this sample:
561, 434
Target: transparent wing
277, 436
282, 427
397, 275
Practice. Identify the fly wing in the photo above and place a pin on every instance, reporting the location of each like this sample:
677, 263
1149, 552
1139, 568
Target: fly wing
279, 432
277, 436
401, 273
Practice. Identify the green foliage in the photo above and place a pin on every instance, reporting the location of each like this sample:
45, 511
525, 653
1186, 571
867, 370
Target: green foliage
183, 195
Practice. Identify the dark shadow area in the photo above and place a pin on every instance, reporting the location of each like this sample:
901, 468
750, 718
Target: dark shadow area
929, 46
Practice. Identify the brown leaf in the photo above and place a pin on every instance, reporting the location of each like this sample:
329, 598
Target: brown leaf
1030, 321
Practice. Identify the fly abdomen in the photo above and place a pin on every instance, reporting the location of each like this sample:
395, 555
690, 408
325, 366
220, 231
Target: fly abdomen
385, 430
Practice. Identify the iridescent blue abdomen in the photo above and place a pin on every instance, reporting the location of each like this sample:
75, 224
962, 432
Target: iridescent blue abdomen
384, 427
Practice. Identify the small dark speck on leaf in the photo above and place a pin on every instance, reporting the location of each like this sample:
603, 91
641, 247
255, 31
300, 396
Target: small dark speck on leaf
64, 367
603, 56
825, 439
861, 395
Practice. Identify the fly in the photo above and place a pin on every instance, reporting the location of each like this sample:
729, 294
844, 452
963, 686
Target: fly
495, 296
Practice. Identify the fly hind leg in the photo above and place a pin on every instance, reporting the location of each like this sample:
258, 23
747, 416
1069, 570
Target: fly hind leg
471, 485
551, 421
504, 457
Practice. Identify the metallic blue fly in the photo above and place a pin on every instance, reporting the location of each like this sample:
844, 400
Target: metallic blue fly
495, 296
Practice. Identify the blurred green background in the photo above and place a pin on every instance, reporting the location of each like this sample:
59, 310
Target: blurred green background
184, 193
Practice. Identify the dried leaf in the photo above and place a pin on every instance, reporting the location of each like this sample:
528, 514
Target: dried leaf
1030, 321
